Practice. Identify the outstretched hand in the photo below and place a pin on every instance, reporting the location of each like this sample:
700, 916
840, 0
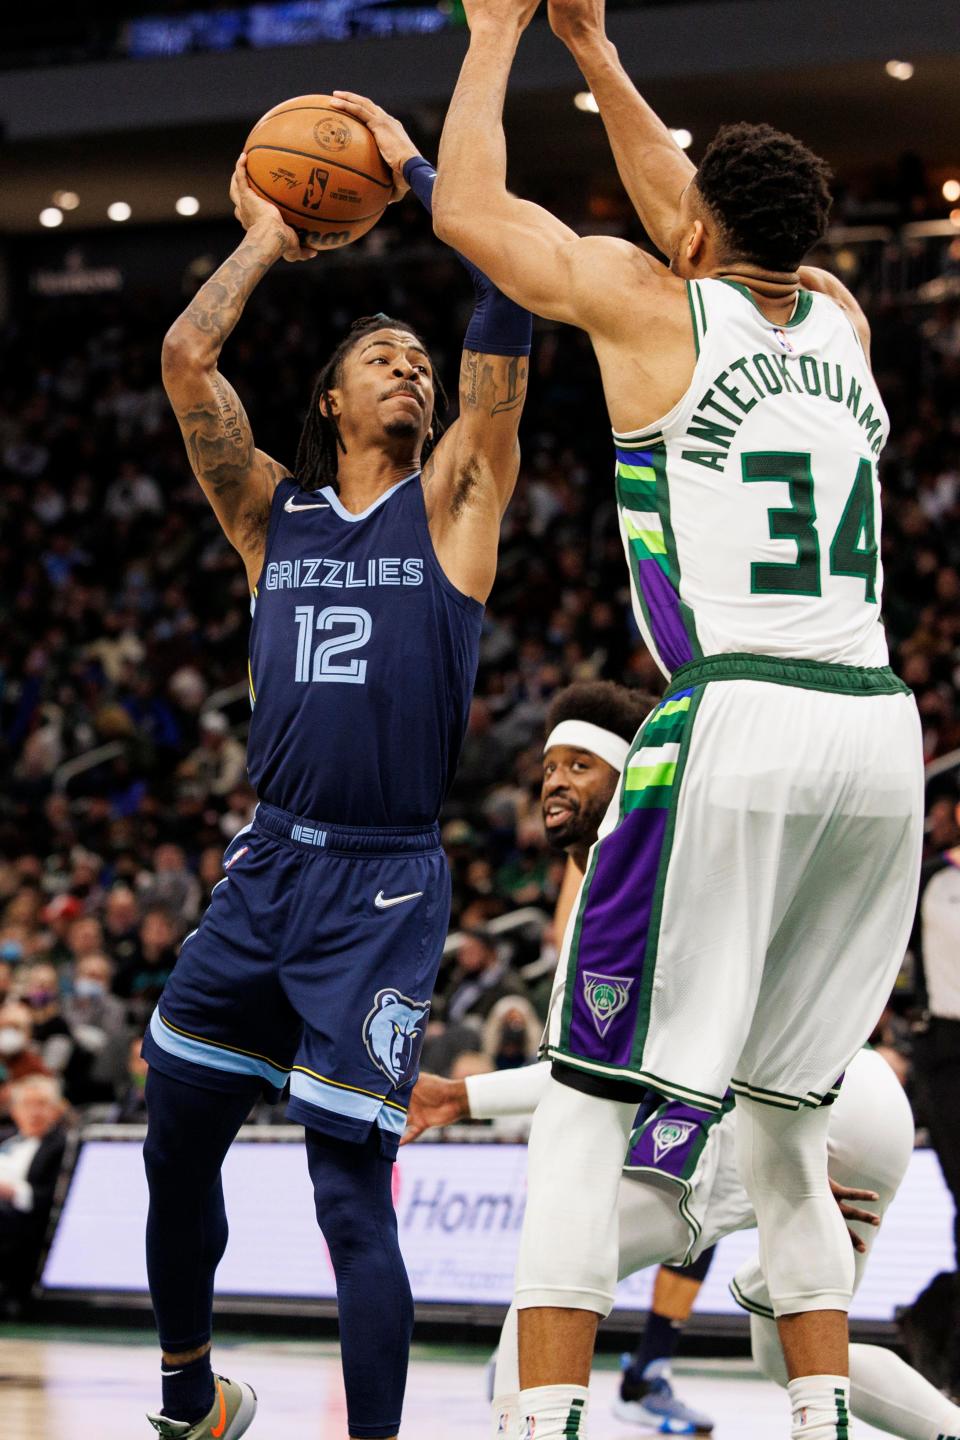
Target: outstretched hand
393, 142
843, 1194
435, 1101
252, 209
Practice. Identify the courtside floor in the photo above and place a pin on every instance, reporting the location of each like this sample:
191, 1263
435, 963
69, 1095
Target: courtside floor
59, 1385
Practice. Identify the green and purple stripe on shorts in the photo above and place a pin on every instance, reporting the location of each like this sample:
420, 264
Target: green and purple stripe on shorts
613, 950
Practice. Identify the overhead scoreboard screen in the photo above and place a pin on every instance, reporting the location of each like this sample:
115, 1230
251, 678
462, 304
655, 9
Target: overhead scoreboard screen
460, 1210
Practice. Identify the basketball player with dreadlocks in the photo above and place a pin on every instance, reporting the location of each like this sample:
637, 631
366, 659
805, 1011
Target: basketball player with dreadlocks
316, 961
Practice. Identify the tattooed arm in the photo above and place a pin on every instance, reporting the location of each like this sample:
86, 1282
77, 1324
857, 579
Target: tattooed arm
237, 479
469, 479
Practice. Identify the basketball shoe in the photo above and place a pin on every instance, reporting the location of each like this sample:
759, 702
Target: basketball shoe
230, 1416
654, 1405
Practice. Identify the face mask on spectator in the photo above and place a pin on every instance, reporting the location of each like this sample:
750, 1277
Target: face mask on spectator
89, 989
38, 999
12, 1040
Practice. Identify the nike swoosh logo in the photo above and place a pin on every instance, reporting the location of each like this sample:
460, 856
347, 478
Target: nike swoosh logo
291, 507
217, 1430
383, 904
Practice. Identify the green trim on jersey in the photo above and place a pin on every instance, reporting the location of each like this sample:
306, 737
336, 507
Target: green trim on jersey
751, 1305
645, 490
649, 968
803, 307
805, 674
693, 316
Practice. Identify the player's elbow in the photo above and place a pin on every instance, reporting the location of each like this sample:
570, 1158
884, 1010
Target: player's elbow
449, 223
184, 351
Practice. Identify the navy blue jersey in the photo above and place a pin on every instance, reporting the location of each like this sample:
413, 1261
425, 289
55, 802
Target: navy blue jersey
363, 657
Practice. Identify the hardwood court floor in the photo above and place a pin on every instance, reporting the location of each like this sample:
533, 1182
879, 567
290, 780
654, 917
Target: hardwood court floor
67, 1387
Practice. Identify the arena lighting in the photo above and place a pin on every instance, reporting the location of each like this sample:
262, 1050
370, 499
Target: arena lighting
951, 190
66, 199
51, 217
187, 205
119, 210
683, 138
955, 218
584, 100
899, 69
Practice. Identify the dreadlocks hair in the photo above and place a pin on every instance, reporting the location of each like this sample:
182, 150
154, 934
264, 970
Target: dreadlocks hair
601, 702
320, 439
769, 193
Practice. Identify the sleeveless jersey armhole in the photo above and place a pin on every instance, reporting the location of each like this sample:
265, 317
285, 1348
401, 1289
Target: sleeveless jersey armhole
467, 602
274, 520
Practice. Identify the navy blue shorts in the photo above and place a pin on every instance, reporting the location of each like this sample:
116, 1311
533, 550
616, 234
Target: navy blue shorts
315, 963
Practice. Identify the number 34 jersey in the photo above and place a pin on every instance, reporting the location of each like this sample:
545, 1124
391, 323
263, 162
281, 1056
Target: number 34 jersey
750, 514
363, 657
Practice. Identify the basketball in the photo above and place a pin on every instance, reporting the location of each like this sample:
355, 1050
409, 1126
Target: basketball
322, 170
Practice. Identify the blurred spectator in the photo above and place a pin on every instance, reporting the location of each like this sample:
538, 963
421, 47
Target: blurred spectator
85, 937
937, 1047
98, 1023
219, 762
144, 976
512, 1033
482, 977
172, 887
30, 1163
19, 1056
52, 1035
131, 1108
121, 924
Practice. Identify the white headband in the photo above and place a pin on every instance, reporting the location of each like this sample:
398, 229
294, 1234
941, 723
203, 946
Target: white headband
581, 735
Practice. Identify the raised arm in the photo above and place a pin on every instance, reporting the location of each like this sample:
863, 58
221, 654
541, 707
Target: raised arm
237, 478
653, 168
470, 477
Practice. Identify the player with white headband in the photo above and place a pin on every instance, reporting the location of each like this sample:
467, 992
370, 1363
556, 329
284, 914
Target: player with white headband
681, 1190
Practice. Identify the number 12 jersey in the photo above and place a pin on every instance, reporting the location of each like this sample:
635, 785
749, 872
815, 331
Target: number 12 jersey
363, 657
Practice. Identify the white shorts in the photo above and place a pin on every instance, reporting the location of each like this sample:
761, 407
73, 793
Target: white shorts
748, 904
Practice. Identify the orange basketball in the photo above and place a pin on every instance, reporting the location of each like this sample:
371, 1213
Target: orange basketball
321, 168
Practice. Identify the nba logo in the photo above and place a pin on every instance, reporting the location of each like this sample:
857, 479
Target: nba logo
783, 341
529, 1428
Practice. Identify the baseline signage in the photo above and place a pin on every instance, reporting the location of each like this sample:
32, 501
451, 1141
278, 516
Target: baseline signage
460, 1211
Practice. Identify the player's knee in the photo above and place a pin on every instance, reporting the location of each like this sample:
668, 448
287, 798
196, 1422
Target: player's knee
352, 1194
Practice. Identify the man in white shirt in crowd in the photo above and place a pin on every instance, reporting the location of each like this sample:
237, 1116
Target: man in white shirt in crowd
30, 1163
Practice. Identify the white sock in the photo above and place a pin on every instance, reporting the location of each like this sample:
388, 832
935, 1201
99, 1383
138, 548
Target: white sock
506, 1417
554, 1412
820, 1406
886, 1392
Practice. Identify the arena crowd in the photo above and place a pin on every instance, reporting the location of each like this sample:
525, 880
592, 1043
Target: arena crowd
123, 633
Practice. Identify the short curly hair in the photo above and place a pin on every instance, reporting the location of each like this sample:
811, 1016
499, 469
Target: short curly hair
601, 702
769, 193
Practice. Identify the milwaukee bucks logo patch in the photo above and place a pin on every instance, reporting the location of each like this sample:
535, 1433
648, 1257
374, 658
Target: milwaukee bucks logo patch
668, 1134
606, 996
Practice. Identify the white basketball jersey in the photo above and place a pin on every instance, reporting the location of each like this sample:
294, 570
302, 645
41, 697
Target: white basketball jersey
750, 514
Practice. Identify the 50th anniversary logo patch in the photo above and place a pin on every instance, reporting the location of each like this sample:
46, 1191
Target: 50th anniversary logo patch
606, 996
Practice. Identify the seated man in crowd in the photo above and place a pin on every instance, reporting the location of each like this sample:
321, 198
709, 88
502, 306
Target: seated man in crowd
29, 1166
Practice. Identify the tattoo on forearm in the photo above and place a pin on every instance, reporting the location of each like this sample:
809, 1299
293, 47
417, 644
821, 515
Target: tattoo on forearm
218, 304
219, 439
482, 388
